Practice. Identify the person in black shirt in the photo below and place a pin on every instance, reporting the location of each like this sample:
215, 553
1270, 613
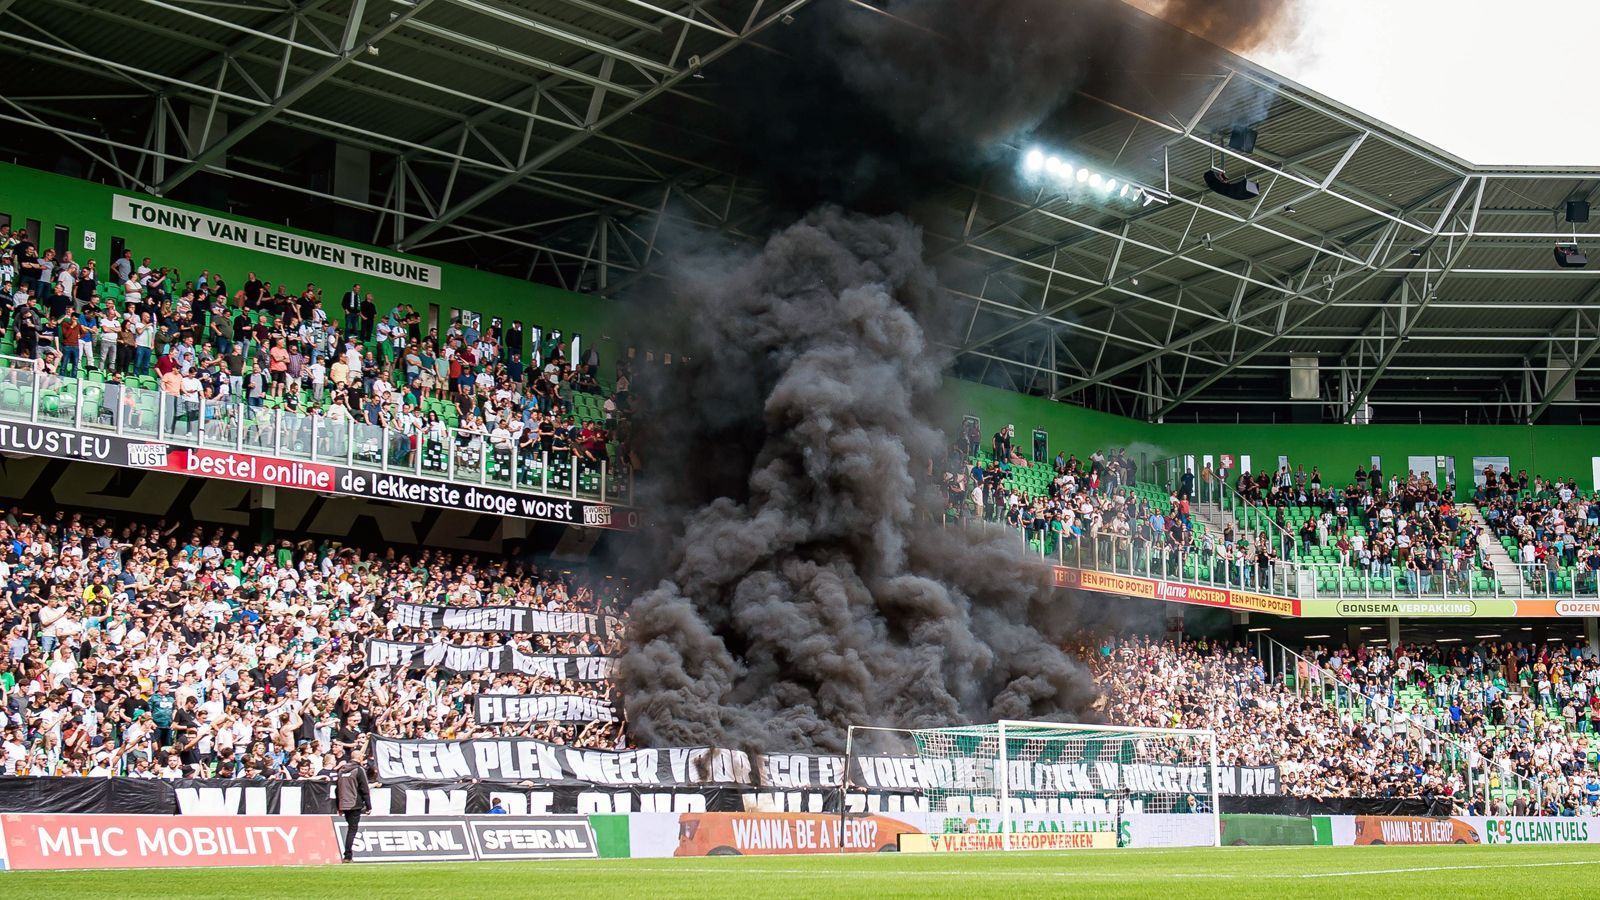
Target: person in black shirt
354, 797
1002, 444
369, 317
351, 304
514, 339
27, 328
185, 725
253, 289
60, 301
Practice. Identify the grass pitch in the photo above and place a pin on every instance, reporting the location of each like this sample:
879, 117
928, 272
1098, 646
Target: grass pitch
1232, 872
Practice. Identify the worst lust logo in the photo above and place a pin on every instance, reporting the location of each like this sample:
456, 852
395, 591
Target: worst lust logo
147, 456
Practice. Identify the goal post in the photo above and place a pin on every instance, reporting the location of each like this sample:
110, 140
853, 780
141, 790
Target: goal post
1019, 776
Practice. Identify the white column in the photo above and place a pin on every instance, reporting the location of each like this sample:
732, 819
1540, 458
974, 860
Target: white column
1394, 632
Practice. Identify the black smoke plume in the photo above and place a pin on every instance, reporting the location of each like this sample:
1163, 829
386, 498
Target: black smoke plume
823, 590
806, 579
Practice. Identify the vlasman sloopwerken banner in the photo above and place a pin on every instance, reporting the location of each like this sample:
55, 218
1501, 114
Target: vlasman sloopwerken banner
526, 759
247, 235
497, 709
156, 456
518, 619
505, 660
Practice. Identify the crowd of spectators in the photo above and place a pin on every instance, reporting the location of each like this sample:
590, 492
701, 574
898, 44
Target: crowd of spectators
1090, 510
208, 347
157, 650
1412, 528
1525, 709
1411, 723
1551, 525
1376, 527
1408, 529
1319, 748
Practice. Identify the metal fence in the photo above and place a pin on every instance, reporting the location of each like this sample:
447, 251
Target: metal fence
1224, 566
28, 394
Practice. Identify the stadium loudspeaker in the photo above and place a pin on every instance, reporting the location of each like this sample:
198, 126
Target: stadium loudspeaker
1242, 139
1577, 211
1243, 189
1568, 256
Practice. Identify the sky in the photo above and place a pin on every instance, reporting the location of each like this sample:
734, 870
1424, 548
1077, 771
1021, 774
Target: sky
1496, 82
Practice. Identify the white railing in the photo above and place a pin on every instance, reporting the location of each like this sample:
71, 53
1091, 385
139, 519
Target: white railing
461, 455
1220, 567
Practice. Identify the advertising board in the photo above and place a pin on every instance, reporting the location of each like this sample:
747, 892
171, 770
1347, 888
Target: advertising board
210, 462
1352, 607
43, 841
465, 838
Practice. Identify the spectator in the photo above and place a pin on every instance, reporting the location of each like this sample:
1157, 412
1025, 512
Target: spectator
198, 655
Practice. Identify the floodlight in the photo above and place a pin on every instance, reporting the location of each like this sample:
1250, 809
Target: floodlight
1242, 189
1034, 160
1568, 256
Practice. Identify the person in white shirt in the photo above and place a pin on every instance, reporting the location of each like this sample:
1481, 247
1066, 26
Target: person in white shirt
319, 379
67, 272
110, 325
189, 391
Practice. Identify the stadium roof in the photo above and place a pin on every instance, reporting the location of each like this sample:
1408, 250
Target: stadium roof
550, 138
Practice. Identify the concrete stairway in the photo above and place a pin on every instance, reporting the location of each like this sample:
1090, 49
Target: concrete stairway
1506, 571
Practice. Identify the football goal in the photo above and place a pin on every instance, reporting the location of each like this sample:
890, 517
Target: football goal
1015, 780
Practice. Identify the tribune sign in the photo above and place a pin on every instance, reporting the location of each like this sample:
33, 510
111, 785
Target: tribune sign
250, 236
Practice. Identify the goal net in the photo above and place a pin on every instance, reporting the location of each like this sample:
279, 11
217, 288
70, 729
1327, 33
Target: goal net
1017, 778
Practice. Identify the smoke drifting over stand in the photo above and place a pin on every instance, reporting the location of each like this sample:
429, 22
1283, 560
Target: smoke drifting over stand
825, 592
806, 581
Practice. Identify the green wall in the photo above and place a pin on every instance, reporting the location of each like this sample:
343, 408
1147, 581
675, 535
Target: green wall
1337, 449
1072, 429
86, 206
1554, 450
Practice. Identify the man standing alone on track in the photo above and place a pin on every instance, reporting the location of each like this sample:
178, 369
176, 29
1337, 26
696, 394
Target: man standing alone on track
354, 796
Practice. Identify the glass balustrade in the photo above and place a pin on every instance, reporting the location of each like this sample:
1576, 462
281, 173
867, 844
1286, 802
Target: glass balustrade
135, 406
